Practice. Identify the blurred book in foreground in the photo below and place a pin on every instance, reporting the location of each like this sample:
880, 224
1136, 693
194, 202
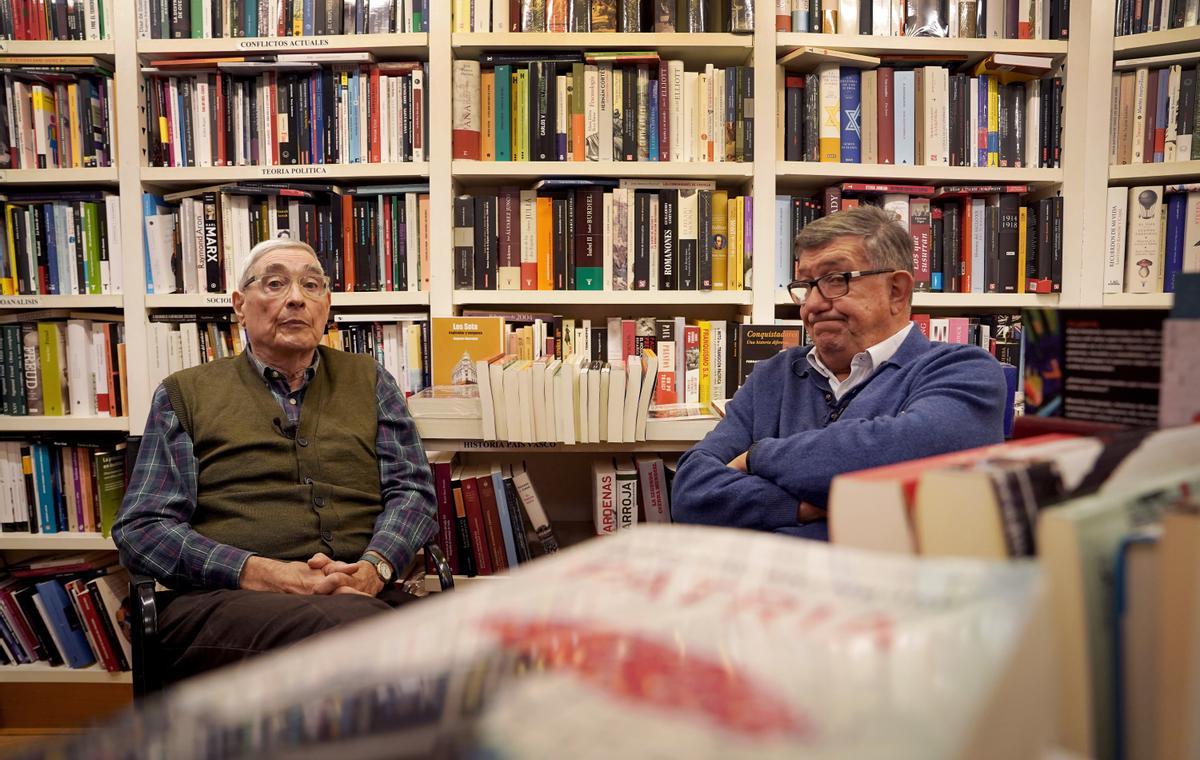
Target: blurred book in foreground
640, 645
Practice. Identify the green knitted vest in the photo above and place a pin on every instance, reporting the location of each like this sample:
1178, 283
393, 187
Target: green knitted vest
280, 495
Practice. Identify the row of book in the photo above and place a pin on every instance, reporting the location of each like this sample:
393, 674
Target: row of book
216, 19
1152, 237
1117, 542
55, 20
925, 116
966, 238
992, 19
629, 490
285, 109
602, 107
660, 16
58, 362
63, 243
369, 238
57, 112
998, 334
604, 235
55, 487
1153, 118
66, 609
1135, 17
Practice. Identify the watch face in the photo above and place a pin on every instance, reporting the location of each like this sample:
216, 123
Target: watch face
384, 569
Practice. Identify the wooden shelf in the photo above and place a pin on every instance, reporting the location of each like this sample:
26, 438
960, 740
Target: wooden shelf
527, 171
1140, 300
57, 542
382, 45
430, 443
185, 301
104, 175
61, 302
68, 47
820, 174
963, 300
401, 172
1180, 171
605, 297
40, 672
1184, 40
67, 423
976, 49
717, 49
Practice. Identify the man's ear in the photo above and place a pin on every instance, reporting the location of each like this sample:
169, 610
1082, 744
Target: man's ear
900, 295
239, 302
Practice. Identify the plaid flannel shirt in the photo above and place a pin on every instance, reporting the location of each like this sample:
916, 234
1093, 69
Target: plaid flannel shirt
153, 530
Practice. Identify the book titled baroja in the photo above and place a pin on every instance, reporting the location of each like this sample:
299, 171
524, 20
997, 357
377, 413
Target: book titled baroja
665, 641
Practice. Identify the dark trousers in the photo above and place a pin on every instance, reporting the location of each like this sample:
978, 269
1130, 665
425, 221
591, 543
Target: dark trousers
203, 630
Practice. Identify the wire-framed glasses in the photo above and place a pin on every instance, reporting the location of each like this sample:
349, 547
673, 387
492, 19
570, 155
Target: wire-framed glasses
274, 285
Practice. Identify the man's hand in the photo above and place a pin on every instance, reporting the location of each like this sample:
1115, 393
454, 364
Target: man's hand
740, 462
807, 513
262, 574
346, 577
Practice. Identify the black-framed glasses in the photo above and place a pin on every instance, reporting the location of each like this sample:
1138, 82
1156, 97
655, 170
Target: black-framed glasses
832, 285
275, 285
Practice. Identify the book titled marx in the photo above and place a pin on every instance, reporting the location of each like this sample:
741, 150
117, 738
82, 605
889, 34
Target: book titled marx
459, 342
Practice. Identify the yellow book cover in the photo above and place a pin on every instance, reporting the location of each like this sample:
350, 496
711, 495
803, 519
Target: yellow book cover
545, 243
1022, 247
487, 114
993, 114
423, 238
720, 241
738, 207
521, 124
458, 342
8, 283
705, 360
76, 134
53, 361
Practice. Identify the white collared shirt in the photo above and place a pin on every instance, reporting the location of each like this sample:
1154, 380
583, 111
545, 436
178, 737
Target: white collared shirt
863, 365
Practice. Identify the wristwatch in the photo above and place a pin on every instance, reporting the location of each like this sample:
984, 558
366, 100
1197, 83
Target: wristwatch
749, 452
383, 568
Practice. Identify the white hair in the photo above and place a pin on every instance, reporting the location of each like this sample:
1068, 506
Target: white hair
269, 245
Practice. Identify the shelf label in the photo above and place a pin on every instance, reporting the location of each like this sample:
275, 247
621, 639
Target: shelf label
218, 300
20, 300
478, 444
276, 43
292, 171
3, 46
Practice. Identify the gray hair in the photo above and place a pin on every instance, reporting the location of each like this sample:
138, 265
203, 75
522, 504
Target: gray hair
887, 244
269, 245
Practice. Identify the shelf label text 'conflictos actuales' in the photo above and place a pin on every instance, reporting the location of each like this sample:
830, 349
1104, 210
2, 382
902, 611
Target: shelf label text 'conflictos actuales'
275, 43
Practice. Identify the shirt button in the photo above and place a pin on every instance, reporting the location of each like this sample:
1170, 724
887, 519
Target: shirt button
292, 401
319, 501
302, 441
326, 536
828, 396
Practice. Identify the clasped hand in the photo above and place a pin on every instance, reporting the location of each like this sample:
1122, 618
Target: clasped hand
805, 512
319, 575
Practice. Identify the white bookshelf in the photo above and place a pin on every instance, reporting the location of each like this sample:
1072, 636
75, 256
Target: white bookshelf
1139, 300
975, 49
384, 46
692, 49
1169, 171
98, 48
208, 175
927, 300
604, 297
189, 301
531, 171
75, 542
61, 302
40, 672
66, 423
1166, 42
821, 174
103, 175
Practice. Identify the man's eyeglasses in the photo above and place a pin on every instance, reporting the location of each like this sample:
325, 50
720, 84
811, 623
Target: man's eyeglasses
832, 285
277, 285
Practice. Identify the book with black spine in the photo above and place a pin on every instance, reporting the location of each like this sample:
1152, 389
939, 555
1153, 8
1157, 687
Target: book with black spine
1007, 239
464, 242
704, 268
485, 242
641, 237
668, 205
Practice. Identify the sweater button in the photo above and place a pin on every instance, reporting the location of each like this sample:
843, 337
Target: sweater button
302, 441
326, 536
319, 501
829, 397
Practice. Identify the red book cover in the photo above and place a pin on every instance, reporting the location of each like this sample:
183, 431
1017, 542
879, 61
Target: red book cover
273, 79
91, 622
1151, 137
479, 542
388, 262
833, 200
418, 119
885, 108
964, 283
20, 10
628, 338
348, 241
919, 228
219, 159
877, 187
783, 21
491, 521
373, 116
922, 323
514, 15
664, 113
443, 470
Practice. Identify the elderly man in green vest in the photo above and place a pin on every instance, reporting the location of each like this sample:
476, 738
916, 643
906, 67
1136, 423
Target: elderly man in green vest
276, 493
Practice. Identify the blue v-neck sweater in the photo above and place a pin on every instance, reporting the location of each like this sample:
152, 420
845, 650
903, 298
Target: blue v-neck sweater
929, 398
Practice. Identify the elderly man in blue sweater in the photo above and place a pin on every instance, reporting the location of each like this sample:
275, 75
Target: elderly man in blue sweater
870, 390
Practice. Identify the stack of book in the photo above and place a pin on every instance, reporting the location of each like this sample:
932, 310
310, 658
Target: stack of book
283, 109
58, 112
62, 243
599, 234
1153, 234
57, 362
992, 19
54, 487
843, 107
369, 238
57, 20
65, 609
1153, 116
660, 16
399, 342
626, 490
211, 19
600, 106
966, 238
1138, 18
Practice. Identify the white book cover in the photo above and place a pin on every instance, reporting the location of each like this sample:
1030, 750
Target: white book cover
905, 117
604, 116
583, 393
870, 117
615, 428
609, 212
482, 16
564, 403
81, 360
483, 378
524, 405
594, 380
652, 491
202, 144
704, 105
691, 116
1114, 255
633, 389
1033, 121
718, 347
995, 19
627, 489
604, 497
1170, 146
675, 85
413, 234
898, 205
617, 242
1139, 117
1114, 117
500, 18
504, 385
646, 397
881, 18
160, 241
549, 398
1144, 249
529, 236
537, 401
847, 24
1191, 234
718, 117
591, 113
602, 408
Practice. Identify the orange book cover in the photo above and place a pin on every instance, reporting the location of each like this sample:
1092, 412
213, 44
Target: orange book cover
545, 244
373, 117
273, 80
487, 115
348, 241
964, 282
423, 237
458, 342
